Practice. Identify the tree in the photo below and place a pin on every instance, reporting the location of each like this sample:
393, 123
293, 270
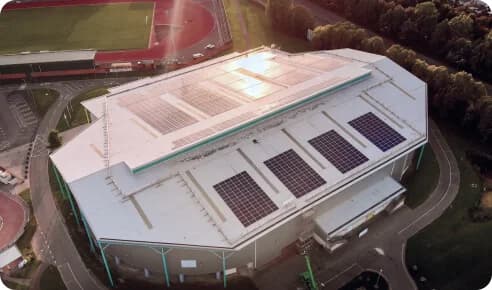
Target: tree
440, 36
481, 60
391, 21
425, 19
300, 21
367, 12
278, 11
339, 35
373, 44
421, 69
461, 26
438, 83
462, 93
349, 7
402, 56
485, 117
54, 139
460, 52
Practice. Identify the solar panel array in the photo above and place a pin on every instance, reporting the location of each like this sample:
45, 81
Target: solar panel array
377, 131
161, 115
245, 198
210, 103
338, 151
294, 173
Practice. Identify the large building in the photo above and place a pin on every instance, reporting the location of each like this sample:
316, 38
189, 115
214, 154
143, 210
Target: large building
221, 166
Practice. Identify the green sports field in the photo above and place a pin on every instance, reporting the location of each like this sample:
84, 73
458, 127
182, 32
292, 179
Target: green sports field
103, 27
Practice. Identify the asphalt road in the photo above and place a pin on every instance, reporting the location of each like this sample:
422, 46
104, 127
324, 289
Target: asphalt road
52, 241
389, 234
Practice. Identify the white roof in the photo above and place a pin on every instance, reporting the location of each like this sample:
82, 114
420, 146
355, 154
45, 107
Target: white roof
9, 255
360, 199
174, 201
155, 119
48, 56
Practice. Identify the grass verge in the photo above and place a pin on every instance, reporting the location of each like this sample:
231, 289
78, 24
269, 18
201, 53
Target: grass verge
452, 252
15, 286
420, 183
75, 113
251, 28
51, 279
24, 242
43, 99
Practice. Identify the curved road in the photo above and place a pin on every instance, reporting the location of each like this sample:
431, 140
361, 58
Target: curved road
389, 235
52, 242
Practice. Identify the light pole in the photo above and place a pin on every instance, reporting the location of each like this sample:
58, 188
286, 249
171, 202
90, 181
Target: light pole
379, 277
29, 93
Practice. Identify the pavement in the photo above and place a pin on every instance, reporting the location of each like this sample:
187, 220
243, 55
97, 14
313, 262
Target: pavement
388, 234
52, 242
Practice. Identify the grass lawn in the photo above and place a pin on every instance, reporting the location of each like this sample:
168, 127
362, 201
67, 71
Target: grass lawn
102, 27
15, 286
24, 242
421, 183
77, 116
258, 29
43, 99
453, 252
51, 279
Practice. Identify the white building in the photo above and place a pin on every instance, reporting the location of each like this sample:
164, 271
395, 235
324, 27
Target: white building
226, 163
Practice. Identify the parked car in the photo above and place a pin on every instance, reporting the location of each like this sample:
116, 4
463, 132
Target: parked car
197, 55
7, 178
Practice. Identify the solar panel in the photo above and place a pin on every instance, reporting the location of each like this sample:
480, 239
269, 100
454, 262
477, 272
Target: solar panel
338, 151
245, 198
294, 173
210, 103
377, 131
160, 114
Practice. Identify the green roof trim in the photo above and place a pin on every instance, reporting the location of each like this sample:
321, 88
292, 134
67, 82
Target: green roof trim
252, 123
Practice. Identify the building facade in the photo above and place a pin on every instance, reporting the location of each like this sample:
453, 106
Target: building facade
229, 164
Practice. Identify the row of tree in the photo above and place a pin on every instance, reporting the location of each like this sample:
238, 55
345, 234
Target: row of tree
463, 39
285, 16
455, 95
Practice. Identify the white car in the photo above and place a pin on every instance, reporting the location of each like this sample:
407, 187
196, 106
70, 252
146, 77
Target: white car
197, 55
7, 178
210, 46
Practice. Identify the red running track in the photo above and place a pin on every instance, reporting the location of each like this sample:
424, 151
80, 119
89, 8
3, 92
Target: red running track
13, 213
192, 23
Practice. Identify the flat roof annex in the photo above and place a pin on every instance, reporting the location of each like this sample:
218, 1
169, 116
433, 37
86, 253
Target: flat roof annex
46, 57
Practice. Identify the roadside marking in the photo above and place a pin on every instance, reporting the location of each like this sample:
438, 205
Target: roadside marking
341, 273
409, 277
438, 143
71, 272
